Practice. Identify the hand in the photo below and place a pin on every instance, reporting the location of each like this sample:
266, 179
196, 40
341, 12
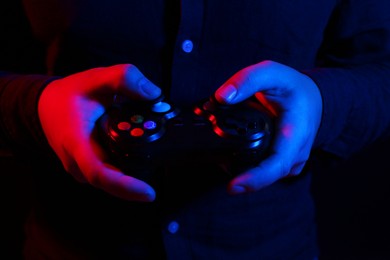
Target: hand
297, 103
68, 109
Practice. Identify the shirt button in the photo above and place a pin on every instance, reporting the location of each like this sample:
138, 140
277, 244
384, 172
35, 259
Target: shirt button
187, 46
173, 227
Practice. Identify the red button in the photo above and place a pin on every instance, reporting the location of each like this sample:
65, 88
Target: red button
124, 126
137, 132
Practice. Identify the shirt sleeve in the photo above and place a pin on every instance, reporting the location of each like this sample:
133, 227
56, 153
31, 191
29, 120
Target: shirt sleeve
22, 78
353, 76
20, 128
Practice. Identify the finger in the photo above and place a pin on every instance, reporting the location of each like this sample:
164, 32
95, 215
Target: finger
125, 79
72, 168
297, 169
288, 156
113, 181
137, 83
268, 171
90, 159
287, 159
265, 174
267, 76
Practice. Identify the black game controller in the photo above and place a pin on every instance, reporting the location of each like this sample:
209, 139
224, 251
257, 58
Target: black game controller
144, 135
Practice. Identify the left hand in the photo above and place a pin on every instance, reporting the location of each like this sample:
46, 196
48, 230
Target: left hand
68, 109
297, 103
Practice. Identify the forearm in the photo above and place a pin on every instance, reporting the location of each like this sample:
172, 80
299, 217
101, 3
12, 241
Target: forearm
356, 105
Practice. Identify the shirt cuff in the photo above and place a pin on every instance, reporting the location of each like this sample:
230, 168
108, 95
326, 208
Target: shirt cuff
20, 126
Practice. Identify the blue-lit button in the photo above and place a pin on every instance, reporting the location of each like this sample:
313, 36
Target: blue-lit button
161, 107
150, 125
173, 227
187, 46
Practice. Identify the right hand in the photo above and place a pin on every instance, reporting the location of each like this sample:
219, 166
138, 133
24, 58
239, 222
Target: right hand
296, 101
68, 109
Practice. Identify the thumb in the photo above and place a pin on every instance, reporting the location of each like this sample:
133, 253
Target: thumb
268, 77
137, 84
123, 79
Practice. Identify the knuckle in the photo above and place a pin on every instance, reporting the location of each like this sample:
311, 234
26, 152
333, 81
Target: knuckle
93, 178
285, 168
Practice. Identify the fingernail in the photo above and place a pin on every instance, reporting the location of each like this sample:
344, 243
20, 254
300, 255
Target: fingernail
148, 88
237, 189
150, 195
227, 92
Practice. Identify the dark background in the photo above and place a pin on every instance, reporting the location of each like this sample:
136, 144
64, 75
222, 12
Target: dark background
353, 200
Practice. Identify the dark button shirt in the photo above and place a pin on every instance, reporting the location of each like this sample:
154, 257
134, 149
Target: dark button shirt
189, 48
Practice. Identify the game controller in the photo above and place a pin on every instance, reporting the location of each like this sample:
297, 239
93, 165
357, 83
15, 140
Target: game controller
142, 136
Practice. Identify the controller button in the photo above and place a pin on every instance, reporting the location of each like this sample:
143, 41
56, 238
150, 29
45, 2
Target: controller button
161, 107
150, 125
252, 125
137, 119
124, 126
137, 132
